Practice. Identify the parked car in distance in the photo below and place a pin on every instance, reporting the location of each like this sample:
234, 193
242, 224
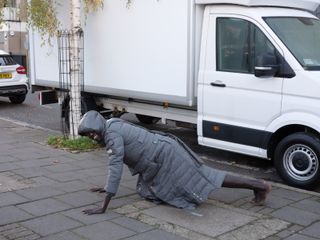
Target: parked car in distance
13, 79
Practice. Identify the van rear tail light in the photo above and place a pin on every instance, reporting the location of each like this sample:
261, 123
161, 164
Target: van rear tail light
21, 70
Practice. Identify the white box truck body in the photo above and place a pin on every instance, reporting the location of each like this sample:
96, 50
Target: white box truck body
122, 60
247, 73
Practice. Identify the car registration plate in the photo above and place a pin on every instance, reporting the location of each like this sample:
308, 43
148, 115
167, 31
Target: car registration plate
5, 75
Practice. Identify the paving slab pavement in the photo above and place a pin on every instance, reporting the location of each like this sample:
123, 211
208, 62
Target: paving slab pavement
44, 190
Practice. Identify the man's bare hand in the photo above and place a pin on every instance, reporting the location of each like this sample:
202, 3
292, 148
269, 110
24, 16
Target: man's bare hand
97, 189
94, 211
99, 210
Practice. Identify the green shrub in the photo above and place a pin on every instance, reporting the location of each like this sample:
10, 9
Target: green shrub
80, 144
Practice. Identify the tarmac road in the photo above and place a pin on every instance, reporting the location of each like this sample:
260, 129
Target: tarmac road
48, 116
31, 112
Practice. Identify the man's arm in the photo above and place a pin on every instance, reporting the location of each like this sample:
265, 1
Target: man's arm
115, 143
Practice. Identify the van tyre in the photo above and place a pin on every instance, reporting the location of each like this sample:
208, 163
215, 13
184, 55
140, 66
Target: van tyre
147, 119
17, 99
297, 160
87, 104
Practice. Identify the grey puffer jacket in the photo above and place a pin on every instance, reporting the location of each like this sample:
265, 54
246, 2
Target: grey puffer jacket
168, 170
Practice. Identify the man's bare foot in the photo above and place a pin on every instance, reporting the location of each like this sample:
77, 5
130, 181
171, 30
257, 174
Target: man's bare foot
94, 211
260, 196
97, 189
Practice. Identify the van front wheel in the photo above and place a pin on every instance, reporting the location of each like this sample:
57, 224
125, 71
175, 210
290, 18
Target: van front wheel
297, 160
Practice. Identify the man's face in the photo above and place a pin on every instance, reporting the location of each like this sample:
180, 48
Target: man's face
95, 136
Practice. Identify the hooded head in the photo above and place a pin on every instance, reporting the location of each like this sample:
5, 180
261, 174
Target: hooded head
92, 122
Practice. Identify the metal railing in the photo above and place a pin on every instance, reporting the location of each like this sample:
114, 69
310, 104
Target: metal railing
65, 66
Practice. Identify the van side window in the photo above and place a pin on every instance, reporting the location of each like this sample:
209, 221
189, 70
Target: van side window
239, 44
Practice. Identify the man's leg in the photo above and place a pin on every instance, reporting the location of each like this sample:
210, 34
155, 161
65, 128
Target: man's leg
260, 188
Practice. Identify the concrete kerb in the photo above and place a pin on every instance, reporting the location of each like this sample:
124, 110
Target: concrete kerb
280, 185
24, 124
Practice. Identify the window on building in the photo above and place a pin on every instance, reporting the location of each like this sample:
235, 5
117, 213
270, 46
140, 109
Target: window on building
11, 3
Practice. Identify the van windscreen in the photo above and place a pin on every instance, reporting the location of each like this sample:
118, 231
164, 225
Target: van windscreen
301, 36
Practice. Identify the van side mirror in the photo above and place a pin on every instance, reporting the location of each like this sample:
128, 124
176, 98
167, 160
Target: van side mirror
266, 65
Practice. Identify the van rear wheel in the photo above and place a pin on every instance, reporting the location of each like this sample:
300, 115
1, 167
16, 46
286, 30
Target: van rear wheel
17, 99
297, 160
87, 104
147, 119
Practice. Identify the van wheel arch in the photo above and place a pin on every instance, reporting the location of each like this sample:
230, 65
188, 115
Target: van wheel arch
147, 119
285, 131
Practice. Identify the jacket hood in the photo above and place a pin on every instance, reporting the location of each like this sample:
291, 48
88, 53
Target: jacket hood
92, 121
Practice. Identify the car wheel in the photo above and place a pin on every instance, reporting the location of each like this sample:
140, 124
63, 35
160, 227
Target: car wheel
147, 119
297, 160
17, 99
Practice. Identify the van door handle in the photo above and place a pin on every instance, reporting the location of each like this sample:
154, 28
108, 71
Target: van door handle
218, 84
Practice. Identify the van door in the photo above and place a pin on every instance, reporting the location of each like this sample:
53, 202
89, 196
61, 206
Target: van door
236, 106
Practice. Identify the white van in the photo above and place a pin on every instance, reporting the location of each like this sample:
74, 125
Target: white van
247, 73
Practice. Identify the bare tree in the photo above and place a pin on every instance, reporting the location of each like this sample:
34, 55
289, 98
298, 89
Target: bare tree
75, 71
75, 91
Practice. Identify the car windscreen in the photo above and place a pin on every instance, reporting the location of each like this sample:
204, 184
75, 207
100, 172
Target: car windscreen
301, 36
6, 60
